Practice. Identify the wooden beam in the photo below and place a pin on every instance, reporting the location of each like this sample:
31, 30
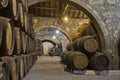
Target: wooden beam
73, 14
49, 6
63, 11
78, 14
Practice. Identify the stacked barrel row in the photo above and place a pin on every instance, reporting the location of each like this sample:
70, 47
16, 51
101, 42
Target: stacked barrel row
17, 40
83, 53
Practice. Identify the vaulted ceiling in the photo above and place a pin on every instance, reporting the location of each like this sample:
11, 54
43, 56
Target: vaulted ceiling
56, 8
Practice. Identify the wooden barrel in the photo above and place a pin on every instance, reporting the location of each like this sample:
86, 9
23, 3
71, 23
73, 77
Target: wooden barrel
3, 72
86, 44
32, 33
74, 45
11, 11
26, 22
63, 55
3, 3
17, 46
66, 56
25, 64
77, 60
11, 66
99, 62
21, 68
28, 62
31, 45
24, 42
21, 15
18, 62
39, 47
25, 4
75, 36
0, 34
34, 58
69, 46
7, 43
30, 19
27, 45
82, 27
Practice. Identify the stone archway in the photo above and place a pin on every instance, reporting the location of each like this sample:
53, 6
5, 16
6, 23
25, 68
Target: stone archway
46, 40
59, 30
93, 15
117, 50
96, 20
63, 38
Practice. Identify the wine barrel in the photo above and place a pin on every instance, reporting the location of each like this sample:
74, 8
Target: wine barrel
39, 47
3, 3
17, 46
28, 62
69, 46
74, 45
25, 64
7, 43
0, 33
75, 36
77, 60
11, 66
21, 68
30, 18
11, 11
18, 62
63, 56
21, 15
82, 27
3, 72
86, 44
25, 5
26, 22
31, 45
99, 62
24, 42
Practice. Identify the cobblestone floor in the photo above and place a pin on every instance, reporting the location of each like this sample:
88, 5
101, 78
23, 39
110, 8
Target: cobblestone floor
50, 68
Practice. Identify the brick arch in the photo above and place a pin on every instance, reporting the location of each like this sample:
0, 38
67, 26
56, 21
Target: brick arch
67, 38
93, 15
63, 32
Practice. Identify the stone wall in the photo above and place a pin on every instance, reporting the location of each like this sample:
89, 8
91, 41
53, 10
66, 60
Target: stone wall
69, 26
108, 14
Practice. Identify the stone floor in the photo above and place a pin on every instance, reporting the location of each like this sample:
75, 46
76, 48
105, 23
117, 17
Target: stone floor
50, 68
